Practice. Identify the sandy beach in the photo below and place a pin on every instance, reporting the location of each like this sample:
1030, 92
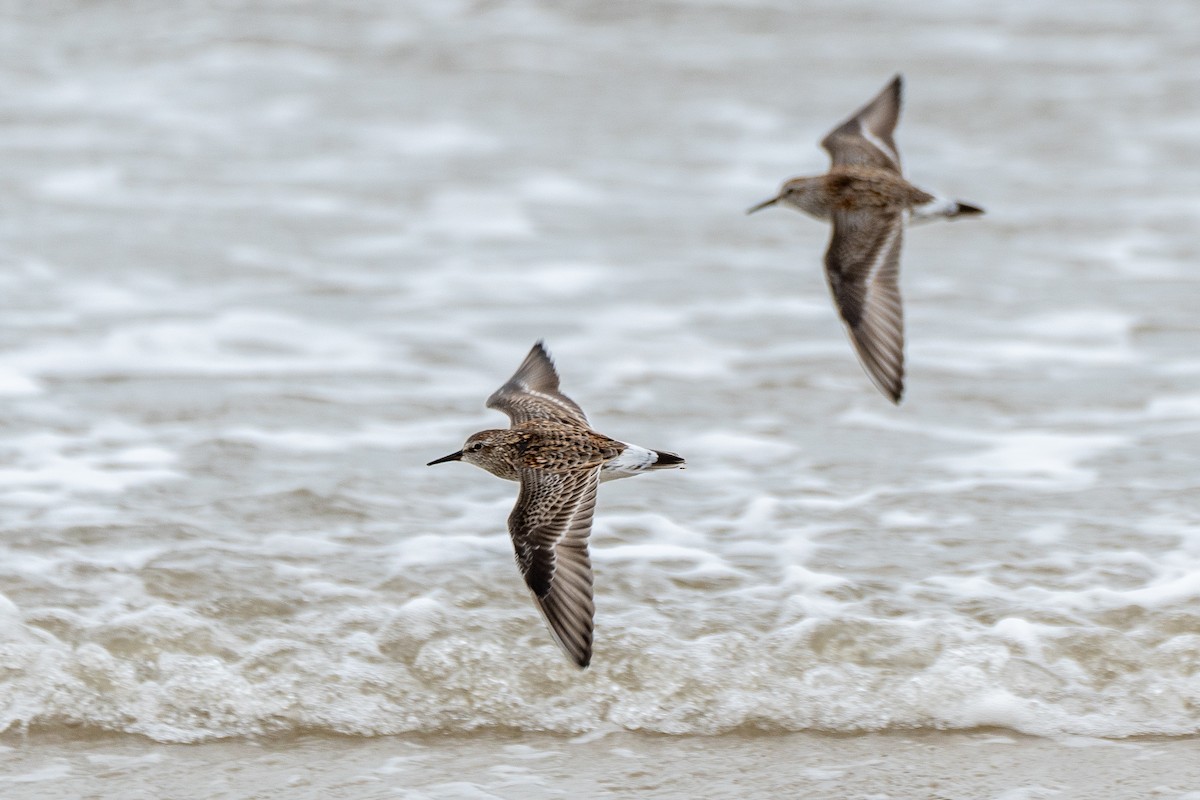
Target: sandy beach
925, 764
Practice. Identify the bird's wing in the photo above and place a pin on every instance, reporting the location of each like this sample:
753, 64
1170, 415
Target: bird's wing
865, 139
863, 268
532, 393
550, 525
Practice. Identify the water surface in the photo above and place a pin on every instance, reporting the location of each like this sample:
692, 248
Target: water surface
261, 265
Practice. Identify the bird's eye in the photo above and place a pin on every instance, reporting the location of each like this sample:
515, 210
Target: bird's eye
477, 446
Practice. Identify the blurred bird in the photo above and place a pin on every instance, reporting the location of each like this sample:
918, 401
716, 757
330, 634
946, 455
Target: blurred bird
869, 202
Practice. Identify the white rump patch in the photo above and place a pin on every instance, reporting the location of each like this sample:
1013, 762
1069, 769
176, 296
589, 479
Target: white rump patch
936, 208
632, 460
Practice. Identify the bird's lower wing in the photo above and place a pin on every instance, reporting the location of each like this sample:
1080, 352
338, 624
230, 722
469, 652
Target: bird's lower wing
863, 268
550, 526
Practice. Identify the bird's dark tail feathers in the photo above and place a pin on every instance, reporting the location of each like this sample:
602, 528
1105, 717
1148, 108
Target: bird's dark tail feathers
965, 209
667, 460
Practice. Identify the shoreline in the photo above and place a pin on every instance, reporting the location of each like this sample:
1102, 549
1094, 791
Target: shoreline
914, 764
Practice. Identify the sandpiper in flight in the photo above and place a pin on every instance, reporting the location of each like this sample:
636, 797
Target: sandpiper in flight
559, 461
869, 201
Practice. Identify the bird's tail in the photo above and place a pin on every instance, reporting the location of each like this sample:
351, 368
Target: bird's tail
941, 208
667, 460
961, 208
634, 460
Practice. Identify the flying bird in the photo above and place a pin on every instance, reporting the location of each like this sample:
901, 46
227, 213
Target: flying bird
559, 461
869, 202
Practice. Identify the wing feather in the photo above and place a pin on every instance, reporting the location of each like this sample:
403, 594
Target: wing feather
550, 526
863, 268
865, 139
532, 393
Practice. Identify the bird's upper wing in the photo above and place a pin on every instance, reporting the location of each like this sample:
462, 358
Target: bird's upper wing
550, 525
532, 393
863, 268
865, 139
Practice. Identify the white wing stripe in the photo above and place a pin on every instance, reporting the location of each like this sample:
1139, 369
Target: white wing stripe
885, 249
878, 143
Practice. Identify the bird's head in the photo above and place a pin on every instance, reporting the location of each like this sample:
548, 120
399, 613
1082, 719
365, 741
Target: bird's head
790, 194
485, 449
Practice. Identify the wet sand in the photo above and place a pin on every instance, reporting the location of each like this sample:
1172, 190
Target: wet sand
921, 764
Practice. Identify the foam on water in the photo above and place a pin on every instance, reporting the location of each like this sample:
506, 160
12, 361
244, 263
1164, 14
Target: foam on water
248, 342
829, 653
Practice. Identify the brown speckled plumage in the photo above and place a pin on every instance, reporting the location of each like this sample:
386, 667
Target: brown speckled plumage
559, 461
868, 200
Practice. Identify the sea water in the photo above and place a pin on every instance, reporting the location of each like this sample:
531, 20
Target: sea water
260, 265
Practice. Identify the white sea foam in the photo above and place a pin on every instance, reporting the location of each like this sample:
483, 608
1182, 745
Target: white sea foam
1035, 455
82, 184
436, 139
465, 214
53, 772
15, 383
231, 343
558, 190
